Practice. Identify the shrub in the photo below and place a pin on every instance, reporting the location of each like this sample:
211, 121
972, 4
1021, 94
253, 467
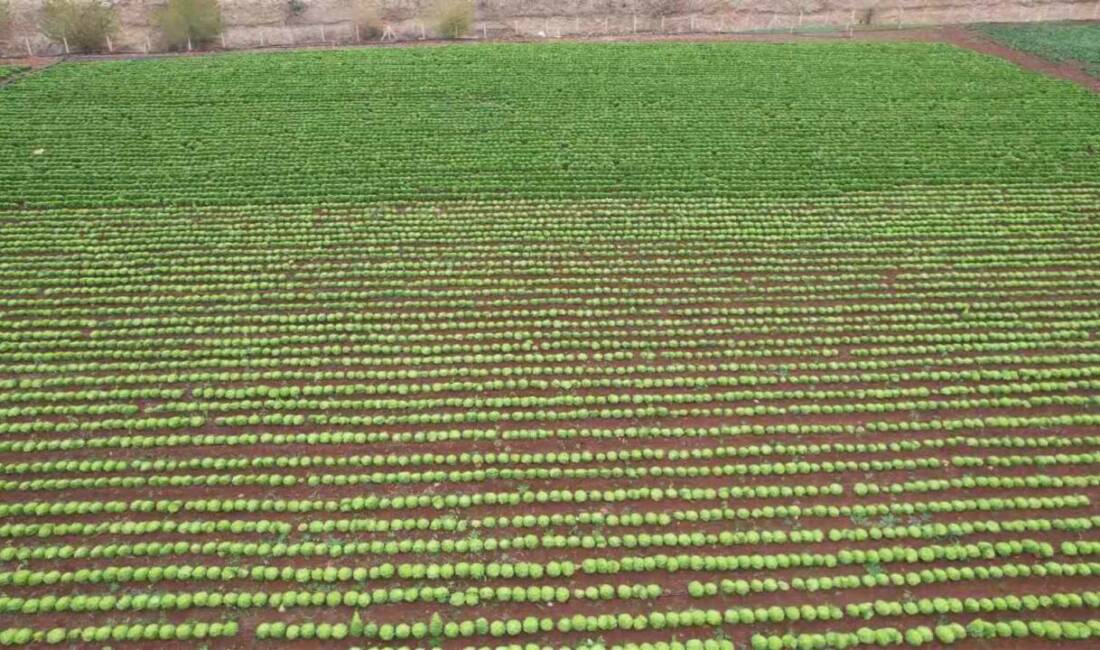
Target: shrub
189, 23
453, 18
83, 24
368, 17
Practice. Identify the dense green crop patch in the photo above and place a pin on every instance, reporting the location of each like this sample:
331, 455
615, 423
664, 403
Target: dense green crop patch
1054, 41
551, 121
10, 70
781, 346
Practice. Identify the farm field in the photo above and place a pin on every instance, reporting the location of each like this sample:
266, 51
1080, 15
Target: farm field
569, 345
1075, 42
10, 70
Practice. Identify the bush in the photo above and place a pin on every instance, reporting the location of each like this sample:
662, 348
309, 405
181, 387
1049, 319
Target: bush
186, 23
83, 24
453, 18
368, 17
294, 8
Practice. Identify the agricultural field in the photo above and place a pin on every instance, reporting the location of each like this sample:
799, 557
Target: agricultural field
1075, 42
10, 71
660, 345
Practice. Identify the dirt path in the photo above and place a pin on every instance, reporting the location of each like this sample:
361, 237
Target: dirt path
955, 35
33, 62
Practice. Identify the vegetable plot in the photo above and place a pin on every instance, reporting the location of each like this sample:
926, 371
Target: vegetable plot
10, 70
665, 346
1077, 42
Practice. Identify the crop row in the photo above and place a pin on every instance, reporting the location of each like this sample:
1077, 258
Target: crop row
659, 620
937, 636
480, 571
954, 530
552, 458
138, 441
463, 500
19, 636
435, 547
550, 594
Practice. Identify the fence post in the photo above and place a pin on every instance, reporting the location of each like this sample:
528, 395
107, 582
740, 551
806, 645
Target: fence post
27, 40
148, 45
634, 28
110, 45
323, 39
356, 32
223, 41
188, 42
66, 42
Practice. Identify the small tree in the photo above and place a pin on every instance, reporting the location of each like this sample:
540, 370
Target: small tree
83, 25
866, 12
453, 18
367, 16
294, 9
187, 23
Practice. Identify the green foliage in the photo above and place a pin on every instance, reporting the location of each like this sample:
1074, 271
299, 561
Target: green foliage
84, 24
462, 339
1079, 42
523, 121
185, 23
295, 8
11, 70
